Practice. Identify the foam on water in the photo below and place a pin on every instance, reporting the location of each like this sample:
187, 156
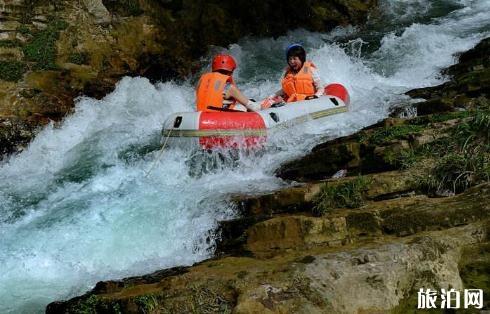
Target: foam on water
77, 206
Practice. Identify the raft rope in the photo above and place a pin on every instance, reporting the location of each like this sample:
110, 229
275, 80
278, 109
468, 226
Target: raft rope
159, 154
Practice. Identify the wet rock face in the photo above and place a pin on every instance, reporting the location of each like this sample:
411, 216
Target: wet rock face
52, 51
14, 133
356, 280
468, 88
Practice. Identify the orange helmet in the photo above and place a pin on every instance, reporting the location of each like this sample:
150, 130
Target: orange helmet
223, 62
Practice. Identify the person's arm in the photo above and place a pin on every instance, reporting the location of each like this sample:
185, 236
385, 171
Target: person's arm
231, 91
279, 93
317, 82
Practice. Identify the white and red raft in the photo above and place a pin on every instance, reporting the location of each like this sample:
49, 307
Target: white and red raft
222, 129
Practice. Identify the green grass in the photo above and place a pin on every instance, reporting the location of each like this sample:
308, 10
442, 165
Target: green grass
440, 117
456, 172
12, 70
78, 58
388, 134
41, 48
24, 30
462, 160
146, 303
346, 195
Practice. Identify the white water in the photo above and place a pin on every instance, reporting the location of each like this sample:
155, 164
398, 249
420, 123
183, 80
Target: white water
76, 206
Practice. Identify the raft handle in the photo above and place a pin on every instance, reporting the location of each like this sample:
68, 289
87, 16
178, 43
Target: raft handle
274, 117
177, 121
335, 102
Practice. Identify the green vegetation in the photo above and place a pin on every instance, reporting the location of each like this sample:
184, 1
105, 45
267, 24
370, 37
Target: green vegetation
9, 43
345, 195
93, 304
441, 117
146, 303
459, 161
79, 58
456, 172
11, 70
87, 306
24, 30
450, 164
388, 134
41, 48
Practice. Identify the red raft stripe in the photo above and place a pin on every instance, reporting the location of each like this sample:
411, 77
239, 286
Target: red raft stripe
230, 121
232, 142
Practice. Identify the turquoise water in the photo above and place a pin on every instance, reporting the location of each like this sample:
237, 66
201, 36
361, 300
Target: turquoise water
77, 206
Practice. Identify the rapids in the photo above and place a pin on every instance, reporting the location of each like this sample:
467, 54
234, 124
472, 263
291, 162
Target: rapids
77, 206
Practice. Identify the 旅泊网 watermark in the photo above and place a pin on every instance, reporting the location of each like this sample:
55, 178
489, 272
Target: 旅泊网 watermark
449, 299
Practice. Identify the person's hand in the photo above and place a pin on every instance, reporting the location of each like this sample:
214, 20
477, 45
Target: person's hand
271, 101
253, 106
311, 97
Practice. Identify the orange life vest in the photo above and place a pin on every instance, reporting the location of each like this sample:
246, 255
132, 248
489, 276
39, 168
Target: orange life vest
298, 86
209, 91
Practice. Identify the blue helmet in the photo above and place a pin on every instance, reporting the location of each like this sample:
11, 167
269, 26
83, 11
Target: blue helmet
296, 50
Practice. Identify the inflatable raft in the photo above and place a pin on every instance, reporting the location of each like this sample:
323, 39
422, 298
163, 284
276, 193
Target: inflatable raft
222, 129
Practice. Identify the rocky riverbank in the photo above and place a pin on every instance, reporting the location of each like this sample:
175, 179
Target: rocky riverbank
413, 213
52, 51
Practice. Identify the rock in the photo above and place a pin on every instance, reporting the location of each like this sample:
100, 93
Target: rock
98, 10
296, 231
15, 134
324, 161
474, 268
267, 236
355, 280
470, 81
11, 53
377, 148
9, 26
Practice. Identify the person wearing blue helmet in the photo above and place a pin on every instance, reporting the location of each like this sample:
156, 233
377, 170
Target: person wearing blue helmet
301, 80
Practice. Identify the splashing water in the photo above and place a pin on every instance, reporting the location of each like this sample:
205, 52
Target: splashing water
76, 206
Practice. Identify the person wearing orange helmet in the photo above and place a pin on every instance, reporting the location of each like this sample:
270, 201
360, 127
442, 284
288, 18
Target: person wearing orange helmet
216, 90
300, 81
